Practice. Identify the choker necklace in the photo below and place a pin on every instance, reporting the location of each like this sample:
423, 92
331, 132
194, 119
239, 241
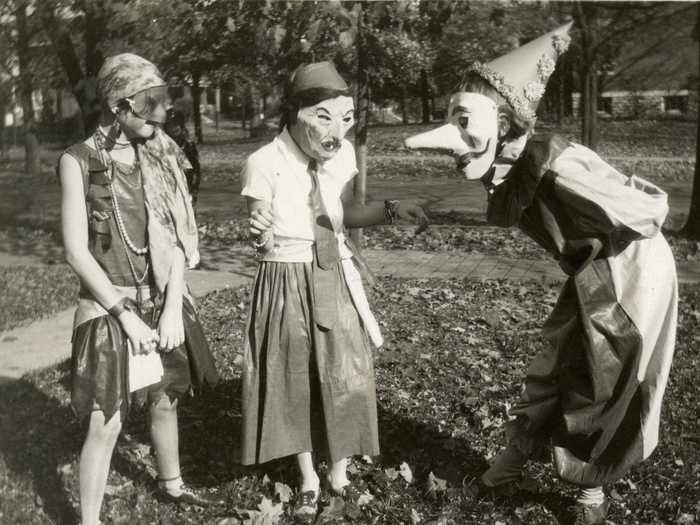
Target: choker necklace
116, 144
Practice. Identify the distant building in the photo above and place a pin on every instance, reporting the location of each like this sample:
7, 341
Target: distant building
656, 73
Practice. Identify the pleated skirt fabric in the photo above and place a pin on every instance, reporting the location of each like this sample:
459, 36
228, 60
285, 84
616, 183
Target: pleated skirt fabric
305, 388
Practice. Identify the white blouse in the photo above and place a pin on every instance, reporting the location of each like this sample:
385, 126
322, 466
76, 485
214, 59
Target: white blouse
277, 174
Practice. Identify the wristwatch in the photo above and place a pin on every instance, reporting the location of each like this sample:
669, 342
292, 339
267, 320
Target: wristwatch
391, 210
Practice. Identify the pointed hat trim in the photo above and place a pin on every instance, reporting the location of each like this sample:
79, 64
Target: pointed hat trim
518, 78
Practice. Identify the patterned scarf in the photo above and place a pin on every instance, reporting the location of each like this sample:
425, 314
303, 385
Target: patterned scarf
170, 216
171, 219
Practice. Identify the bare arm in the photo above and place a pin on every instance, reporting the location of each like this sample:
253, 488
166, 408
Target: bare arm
74, 227
356, 215
260, 223
171, 330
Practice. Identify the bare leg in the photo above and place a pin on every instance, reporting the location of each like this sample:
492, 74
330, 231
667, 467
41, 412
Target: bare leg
95, 458
309, 478
338, 475
165, 439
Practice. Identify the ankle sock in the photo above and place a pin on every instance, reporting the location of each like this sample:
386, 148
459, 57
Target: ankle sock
591, 496
311, 486
172, 486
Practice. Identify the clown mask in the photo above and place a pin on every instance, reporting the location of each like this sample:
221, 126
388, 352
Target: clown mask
320, 129
471, 134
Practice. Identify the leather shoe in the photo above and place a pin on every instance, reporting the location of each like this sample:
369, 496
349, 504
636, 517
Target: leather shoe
189, 496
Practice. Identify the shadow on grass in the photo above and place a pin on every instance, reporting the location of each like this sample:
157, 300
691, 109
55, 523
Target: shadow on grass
41, 436
37, 439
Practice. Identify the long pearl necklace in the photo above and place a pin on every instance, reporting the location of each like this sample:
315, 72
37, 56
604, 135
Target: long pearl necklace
120, 224
100, 146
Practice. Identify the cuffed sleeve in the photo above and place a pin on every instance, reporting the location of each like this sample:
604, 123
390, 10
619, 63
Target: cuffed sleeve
256, 180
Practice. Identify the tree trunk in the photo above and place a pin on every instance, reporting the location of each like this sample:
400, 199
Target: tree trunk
404, 104
244, 98
95, 29
425, 96
586, 12
32, 165
83, 86
363, 98
196, 109
692, 224
3, 111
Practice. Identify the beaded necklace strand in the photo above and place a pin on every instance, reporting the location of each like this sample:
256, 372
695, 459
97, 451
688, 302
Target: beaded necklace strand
104, 155
99, 140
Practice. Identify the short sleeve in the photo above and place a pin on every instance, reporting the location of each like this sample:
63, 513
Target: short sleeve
256, 180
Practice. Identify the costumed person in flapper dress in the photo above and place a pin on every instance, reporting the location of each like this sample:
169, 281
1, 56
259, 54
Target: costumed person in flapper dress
129, 233
308, 375
596, 392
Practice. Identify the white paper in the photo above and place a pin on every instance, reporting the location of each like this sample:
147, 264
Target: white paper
144, 369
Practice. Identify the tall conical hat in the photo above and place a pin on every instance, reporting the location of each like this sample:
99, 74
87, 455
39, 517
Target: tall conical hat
521, 75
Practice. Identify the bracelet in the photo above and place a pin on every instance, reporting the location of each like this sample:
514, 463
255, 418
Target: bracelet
391, 210
262, 240
118, 308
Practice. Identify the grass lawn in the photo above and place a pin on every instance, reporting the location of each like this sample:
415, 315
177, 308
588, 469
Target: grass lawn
454, 355
33, 292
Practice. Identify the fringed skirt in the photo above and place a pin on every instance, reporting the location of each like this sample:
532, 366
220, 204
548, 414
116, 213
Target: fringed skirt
99, 364
305, 388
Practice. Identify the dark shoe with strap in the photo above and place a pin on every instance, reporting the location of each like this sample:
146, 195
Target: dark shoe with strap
306, 506
189, 496
591, 514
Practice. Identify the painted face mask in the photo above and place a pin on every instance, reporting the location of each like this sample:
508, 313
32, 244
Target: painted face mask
320, 129
471, 134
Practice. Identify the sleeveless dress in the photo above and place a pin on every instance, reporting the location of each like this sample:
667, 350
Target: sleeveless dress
99, 361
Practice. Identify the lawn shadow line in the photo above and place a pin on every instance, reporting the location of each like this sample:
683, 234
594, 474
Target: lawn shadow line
36, 440
426, 449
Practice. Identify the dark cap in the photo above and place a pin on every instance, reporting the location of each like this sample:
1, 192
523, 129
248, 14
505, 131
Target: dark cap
316, 75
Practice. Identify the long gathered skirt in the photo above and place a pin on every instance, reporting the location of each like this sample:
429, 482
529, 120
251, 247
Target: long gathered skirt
99, 365
305, 388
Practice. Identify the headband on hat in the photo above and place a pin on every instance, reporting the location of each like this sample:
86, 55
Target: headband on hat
122, 76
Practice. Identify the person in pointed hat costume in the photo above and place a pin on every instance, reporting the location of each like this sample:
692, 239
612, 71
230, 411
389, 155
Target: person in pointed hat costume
596, 392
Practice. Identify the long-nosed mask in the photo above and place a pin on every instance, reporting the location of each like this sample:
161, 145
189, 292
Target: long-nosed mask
319, 130
470, 134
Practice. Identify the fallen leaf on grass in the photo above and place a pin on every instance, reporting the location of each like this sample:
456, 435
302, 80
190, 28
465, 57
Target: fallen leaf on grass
364, 499
406, 472
335, 509
268, 513
283, 492
391, 473
415, 517
112, 490
436, 484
